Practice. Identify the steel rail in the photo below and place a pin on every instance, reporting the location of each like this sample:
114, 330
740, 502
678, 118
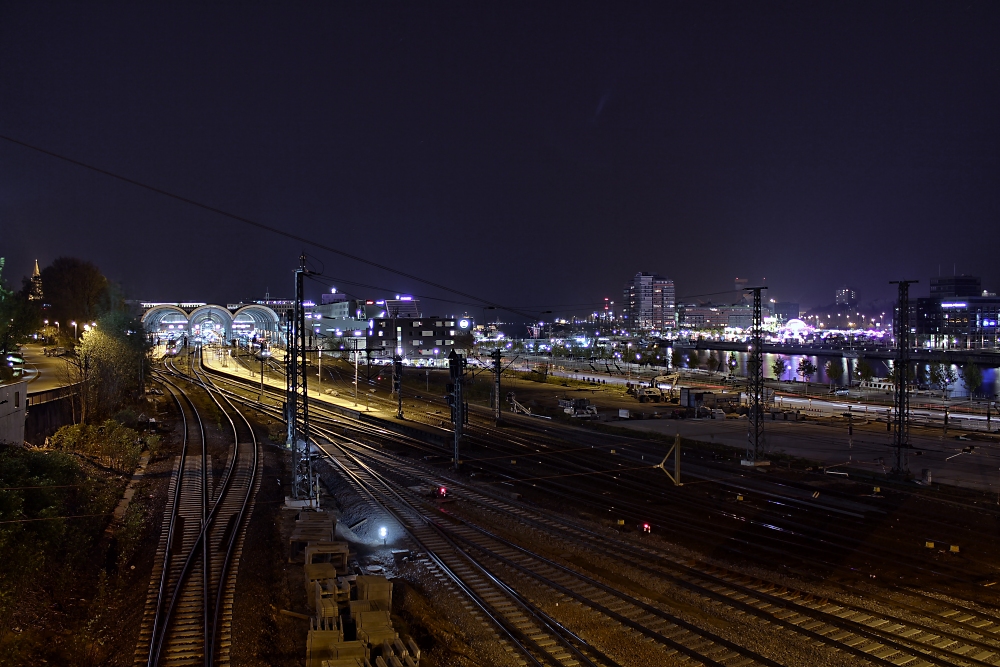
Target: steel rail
164, 574
209, 617
518, 636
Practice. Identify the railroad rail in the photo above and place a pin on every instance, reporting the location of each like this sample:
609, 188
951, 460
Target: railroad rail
188, 613
922, 634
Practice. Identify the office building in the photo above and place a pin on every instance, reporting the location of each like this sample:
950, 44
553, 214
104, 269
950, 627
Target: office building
957, 315
650, 303
956, 287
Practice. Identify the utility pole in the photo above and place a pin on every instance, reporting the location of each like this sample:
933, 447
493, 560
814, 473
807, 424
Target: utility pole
755, 386
303, 489
497, 370
901, 395
459, 409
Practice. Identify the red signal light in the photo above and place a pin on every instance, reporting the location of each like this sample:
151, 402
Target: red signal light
646, 528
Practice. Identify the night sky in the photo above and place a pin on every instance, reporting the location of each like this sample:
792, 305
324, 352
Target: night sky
534, 154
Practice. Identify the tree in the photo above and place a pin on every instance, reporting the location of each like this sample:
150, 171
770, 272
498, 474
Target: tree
943, 376
864, 372
972, 377
936, 377
778, 367
834, 371
732, 362
75, 291
806, 369
110, 365
949, 377
676, 358
693, 360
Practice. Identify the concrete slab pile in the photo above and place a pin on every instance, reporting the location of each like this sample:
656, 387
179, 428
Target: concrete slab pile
351, 624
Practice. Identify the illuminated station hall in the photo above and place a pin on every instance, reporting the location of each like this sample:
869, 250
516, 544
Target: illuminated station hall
376, 328
210, 323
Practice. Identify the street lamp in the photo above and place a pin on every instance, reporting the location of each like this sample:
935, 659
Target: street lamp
264, 354
74, 330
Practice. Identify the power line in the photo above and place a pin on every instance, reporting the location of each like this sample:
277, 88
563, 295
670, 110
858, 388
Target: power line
295, 237
254, 223
54, 518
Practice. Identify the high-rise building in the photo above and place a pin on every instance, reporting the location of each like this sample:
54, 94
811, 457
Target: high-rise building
956, 287
846, 296
650, 303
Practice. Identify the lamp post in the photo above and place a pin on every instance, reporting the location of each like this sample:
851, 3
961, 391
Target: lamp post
74, 330
264, 354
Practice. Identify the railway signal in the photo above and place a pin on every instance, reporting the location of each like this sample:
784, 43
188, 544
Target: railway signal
497, 372
459, 408
397, 383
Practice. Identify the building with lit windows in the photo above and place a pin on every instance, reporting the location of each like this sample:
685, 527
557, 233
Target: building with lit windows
957, 315
846, 296
649, 303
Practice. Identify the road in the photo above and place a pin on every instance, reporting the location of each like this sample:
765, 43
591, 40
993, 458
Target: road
41, 372
816, 407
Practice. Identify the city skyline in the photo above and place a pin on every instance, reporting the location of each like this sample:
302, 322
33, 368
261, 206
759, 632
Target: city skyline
677, 139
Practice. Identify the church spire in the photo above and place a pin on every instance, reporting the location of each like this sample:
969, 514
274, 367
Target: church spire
35, 291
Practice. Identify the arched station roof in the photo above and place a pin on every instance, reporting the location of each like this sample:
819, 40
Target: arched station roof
261, 316
162, 314
211, 313
255, 317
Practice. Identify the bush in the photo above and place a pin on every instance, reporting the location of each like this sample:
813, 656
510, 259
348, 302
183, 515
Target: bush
48, 486
111, 444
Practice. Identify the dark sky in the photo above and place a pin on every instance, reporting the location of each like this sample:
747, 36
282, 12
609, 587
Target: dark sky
535, 154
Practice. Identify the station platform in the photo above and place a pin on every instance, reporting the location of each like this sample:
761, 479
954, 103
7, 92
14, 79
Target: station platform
365, 408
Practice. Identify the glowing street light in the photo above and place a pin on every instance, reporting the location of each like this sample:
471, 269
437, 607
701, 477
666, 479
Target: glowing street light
382, 533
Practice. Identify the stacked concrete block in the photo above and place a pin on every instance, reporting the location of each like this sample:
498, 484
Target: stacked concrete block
398, 654
372, 587
325, 642
311, 527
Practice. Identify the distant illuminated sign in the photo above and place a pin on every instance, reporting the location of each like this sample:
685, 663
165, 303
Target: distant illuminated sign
463, 324
953, 305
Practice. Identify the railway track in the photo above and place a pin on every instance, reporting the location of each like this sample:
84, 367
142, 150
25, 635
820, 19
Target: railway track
879, 638
924, 633
188, 613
